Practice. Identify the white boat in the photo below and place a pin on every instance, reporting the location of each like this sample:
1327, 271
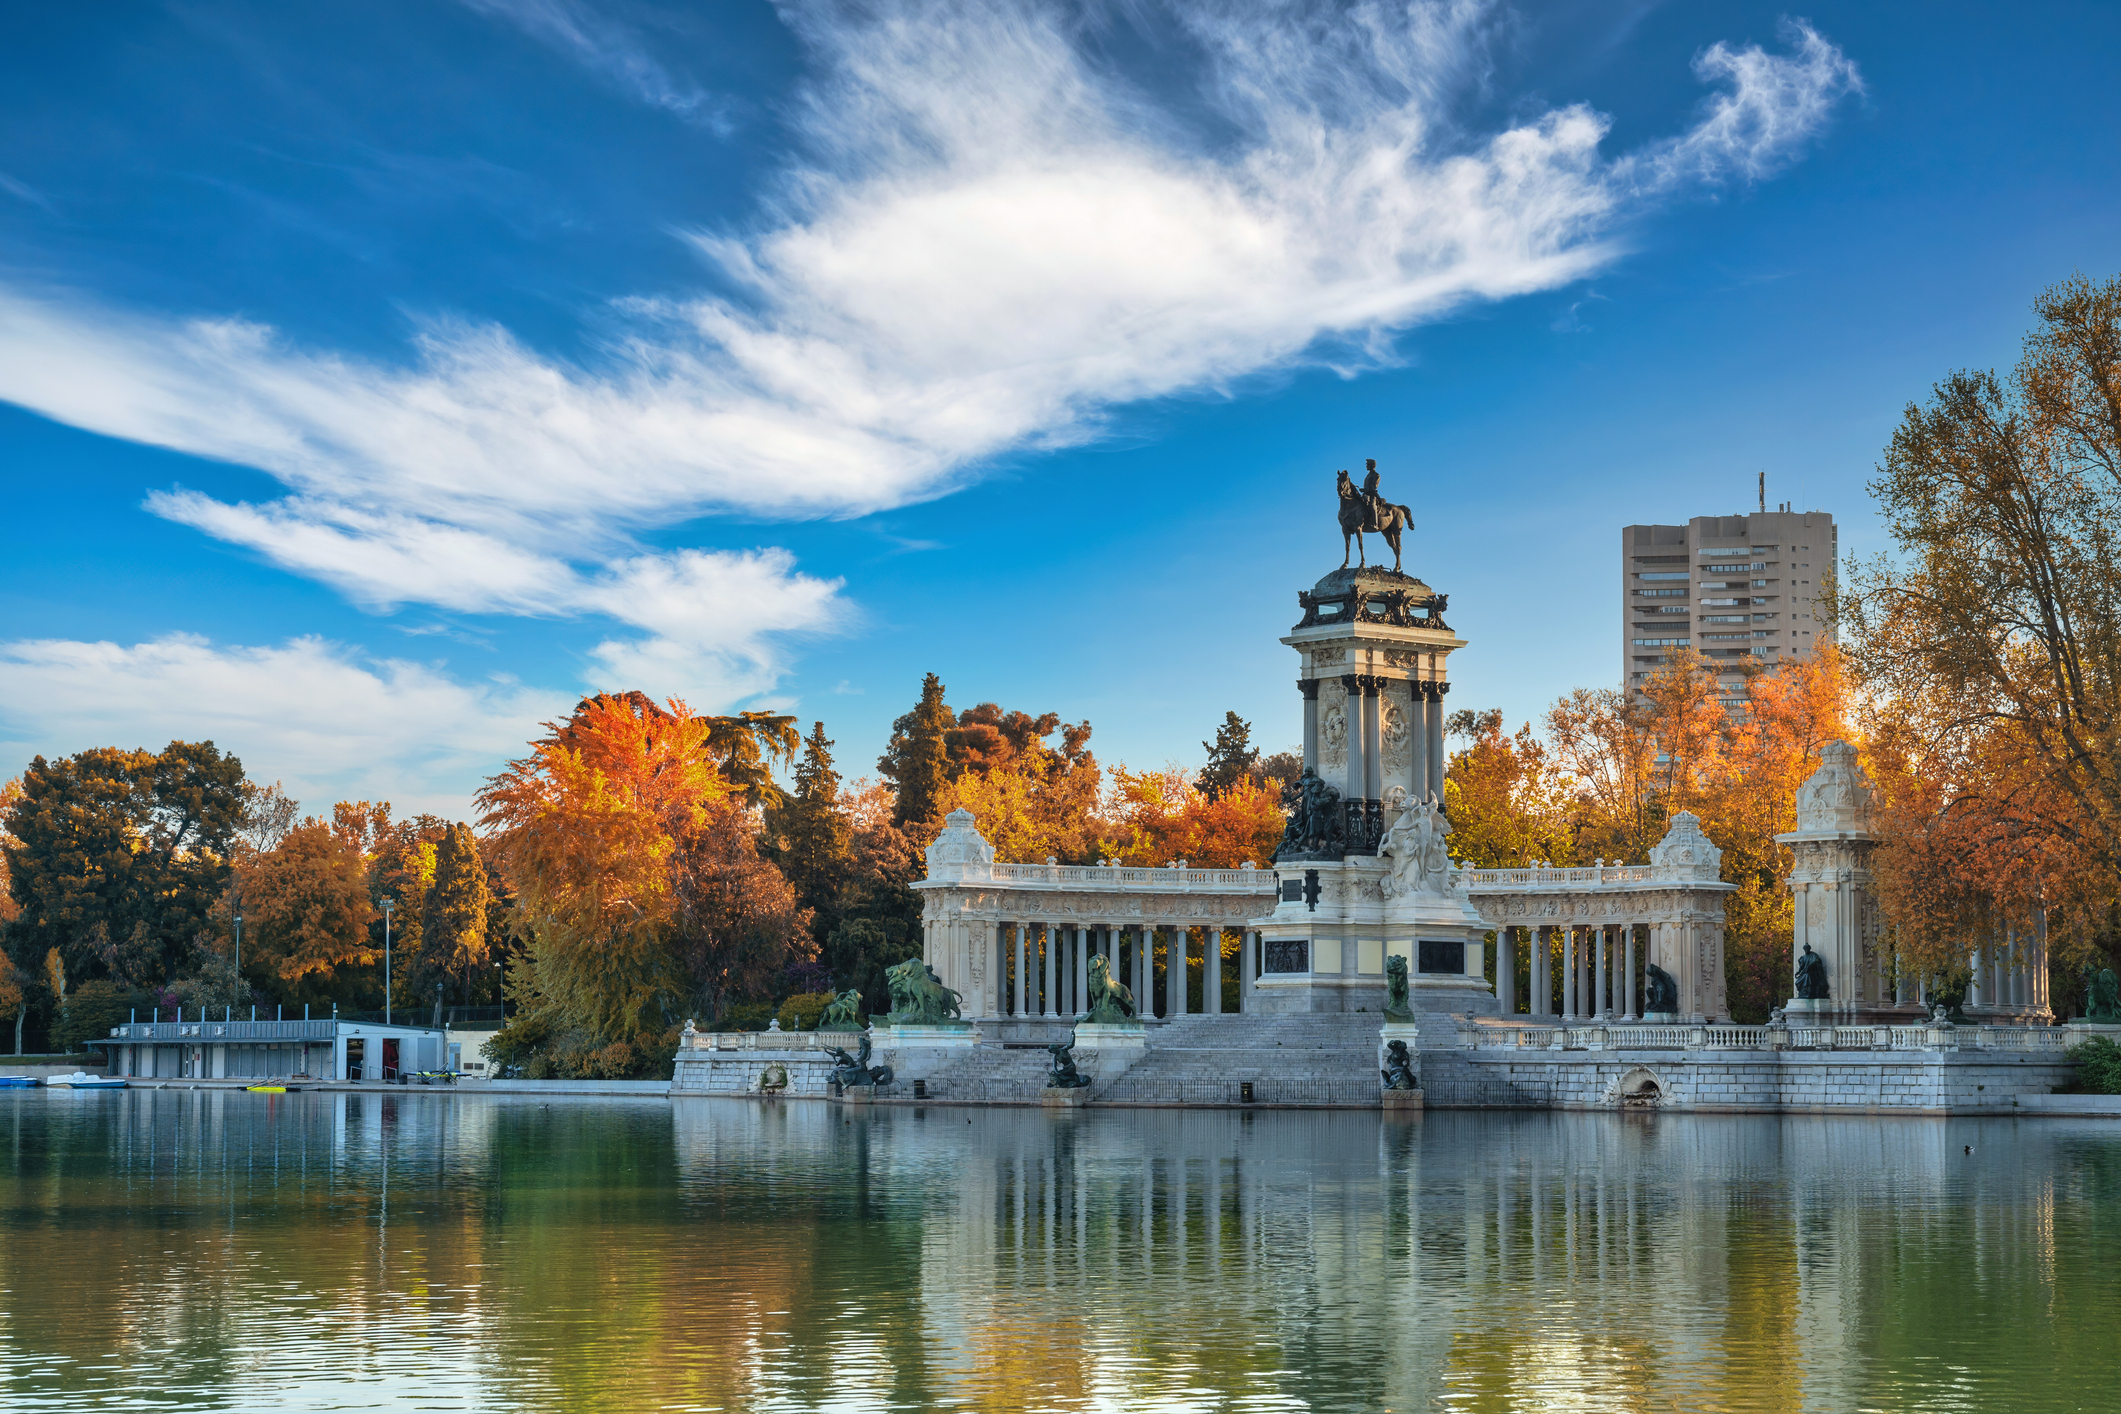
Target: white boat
82, 1080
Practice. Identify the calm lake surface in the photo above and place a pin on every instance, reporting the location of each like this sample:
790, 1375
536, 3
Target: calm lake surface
196, 1250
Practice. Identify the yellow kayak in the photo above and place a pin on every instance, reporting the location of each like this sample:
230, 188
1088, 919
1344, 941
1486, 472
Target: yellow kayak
271, 1089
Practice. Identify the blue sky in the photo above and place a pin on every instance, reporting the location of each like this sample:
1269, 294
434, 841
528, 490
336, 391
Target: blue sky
374, 378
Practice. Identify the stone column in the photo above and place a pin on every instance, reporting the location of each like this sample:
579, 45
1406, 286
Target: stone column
1506, 969
1175, 973
1568, 971
1373, 762
1627, 979
1309, 688
1603, 1003
1021, 1001
1418, 738
1052, 998
1542, 978
1351, 784
1084, 937
1251, 970
1436, 757
1144, 943
1211, 969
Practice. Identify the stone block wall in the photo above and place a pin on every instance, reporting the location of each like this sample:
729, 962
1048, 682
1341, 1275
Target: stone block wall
1912, 1082
738, 1072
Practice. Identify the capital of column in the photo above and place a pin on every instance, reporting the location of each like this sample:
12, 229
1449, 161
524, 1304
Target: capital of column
1309, 688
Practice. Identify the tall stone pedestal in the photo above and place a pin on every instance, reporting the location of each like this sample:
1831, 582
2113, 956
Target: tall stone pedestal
1328, 954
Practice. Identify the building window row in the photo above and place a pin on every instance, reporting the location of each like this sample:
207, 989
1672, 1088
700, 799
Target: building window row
1662, 574
1663, 643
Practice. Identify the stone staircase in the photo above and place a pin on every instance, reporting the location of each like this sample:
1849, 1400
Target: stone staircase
1306, 1058
985, 1073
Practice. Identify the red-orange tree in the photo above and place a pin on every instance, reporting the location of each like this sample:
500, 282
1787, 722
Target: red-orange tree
637, 880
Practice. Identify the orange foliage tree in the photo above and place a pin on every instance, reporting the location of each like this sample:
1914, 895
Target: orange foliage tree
306, 910
1161, 816
1508, 800
637, 880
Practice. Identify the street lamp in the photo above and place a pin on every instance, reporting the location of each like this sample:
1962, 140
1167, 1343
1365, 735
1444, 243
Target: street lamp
388, 905
239, 942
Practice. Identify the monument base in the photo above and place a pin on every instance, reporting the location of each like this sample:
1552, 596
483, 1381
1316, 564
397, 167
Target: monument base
949, 1036
1064, 1099
1660, 1018
1401, 1099
1108, 1037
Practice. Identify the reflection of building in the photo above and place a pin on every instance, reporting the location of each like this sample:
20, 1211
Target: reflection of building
1730, 587
326, 1049
1334, 1261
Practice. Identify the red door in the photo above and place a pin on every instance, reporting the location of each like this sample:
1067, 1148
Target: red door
390, 1058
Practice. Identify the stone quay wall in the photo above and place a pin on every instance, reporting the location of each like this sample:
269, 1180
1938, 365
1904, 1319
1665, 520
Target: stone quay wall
701, 1072
1742, 1081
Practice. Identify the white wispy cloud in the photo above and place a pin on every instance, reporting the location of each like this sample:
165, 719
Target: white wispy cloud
612, 49
994, 240
329, 723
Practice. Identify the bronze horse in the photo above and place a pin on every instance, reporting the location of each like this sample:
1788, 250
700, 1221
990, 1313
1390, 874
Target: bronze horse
1366, 510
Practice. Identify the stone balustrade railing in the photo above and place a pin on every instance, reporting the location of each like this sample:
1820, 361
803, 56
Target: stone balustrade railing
768, 1040
1626, 1036
1595, 876
1111, 876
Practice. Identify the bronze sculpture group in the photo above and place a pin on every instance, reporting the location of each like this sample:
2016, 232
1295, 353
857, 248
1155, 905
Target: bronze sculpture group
1811, 976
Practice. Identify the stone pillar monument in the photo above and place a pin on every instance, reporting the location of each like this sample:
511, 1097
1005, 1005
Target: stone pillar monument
1836, 908
1364, 869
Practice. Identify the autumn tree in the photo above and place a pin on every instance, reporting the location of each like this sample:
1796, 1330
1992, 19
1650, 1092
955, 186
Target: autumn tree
879, 919
639, 888
1601, 739
1990, 643
1161, 816
306, 911
1508, 802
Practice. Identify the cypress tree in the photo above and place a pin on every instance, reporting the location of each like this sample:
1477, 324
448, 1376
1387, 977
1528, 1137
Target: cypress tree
816, 839
453, 916
1230, 756
918, 758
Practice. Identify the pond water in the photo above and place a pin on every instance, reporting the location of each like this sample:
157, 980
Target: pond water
196, 1250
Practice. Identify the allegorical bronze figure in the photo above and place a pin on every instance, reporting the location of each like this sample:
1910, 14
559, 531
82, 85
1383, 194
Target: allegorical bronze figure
1366, 510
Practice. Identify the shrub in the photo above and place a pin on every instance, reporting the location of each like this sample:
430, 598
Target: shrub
801, 1011
92, 1009
745, 1016
2098, 1066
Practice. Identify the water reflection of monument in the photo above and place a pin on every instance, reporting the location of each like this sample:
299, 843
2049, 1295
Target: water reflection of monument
1704, 1263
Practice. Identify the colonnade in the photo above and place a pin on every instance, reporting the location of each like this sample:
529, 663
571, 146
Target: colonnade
1044, 967
1602, 968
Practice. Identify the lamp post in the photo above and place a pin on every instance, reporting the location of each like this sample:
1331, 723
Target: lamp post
239, 942
388, 905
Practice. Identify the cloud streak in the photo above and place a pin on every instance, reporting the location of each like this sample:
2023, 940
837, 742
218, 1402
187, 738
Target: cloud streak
994, 241
331, 725
613, 52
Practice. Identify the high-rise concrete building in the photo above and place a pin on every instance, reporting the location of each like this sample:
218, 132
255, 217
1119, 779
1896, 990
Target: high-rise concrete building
1729, 586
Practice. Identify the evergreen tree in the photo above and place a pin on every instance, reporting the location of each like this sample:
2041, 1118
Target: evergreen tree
1230, 757
917, 761
815, 835
453, 917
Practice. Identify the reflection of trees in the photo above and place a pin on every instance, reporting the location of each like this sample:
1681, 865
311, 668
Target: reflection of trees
617, 1256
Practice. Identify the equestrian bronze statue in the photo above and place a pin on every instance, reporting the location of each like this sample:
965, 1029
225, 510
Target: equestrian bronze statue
1365, 510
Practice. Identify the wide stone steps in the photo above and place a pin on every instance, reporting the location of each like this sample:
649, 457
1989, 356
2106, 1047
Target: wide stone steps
1301, 1059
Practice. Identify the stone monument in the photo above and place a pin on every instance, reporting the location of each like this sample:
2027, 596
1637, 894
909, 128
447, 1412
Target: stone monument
924, 1012
1364, 872
1836, 913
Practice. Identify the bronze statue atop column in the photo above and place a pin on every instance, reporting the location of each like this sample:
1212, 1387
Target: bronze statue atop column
1366, 510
